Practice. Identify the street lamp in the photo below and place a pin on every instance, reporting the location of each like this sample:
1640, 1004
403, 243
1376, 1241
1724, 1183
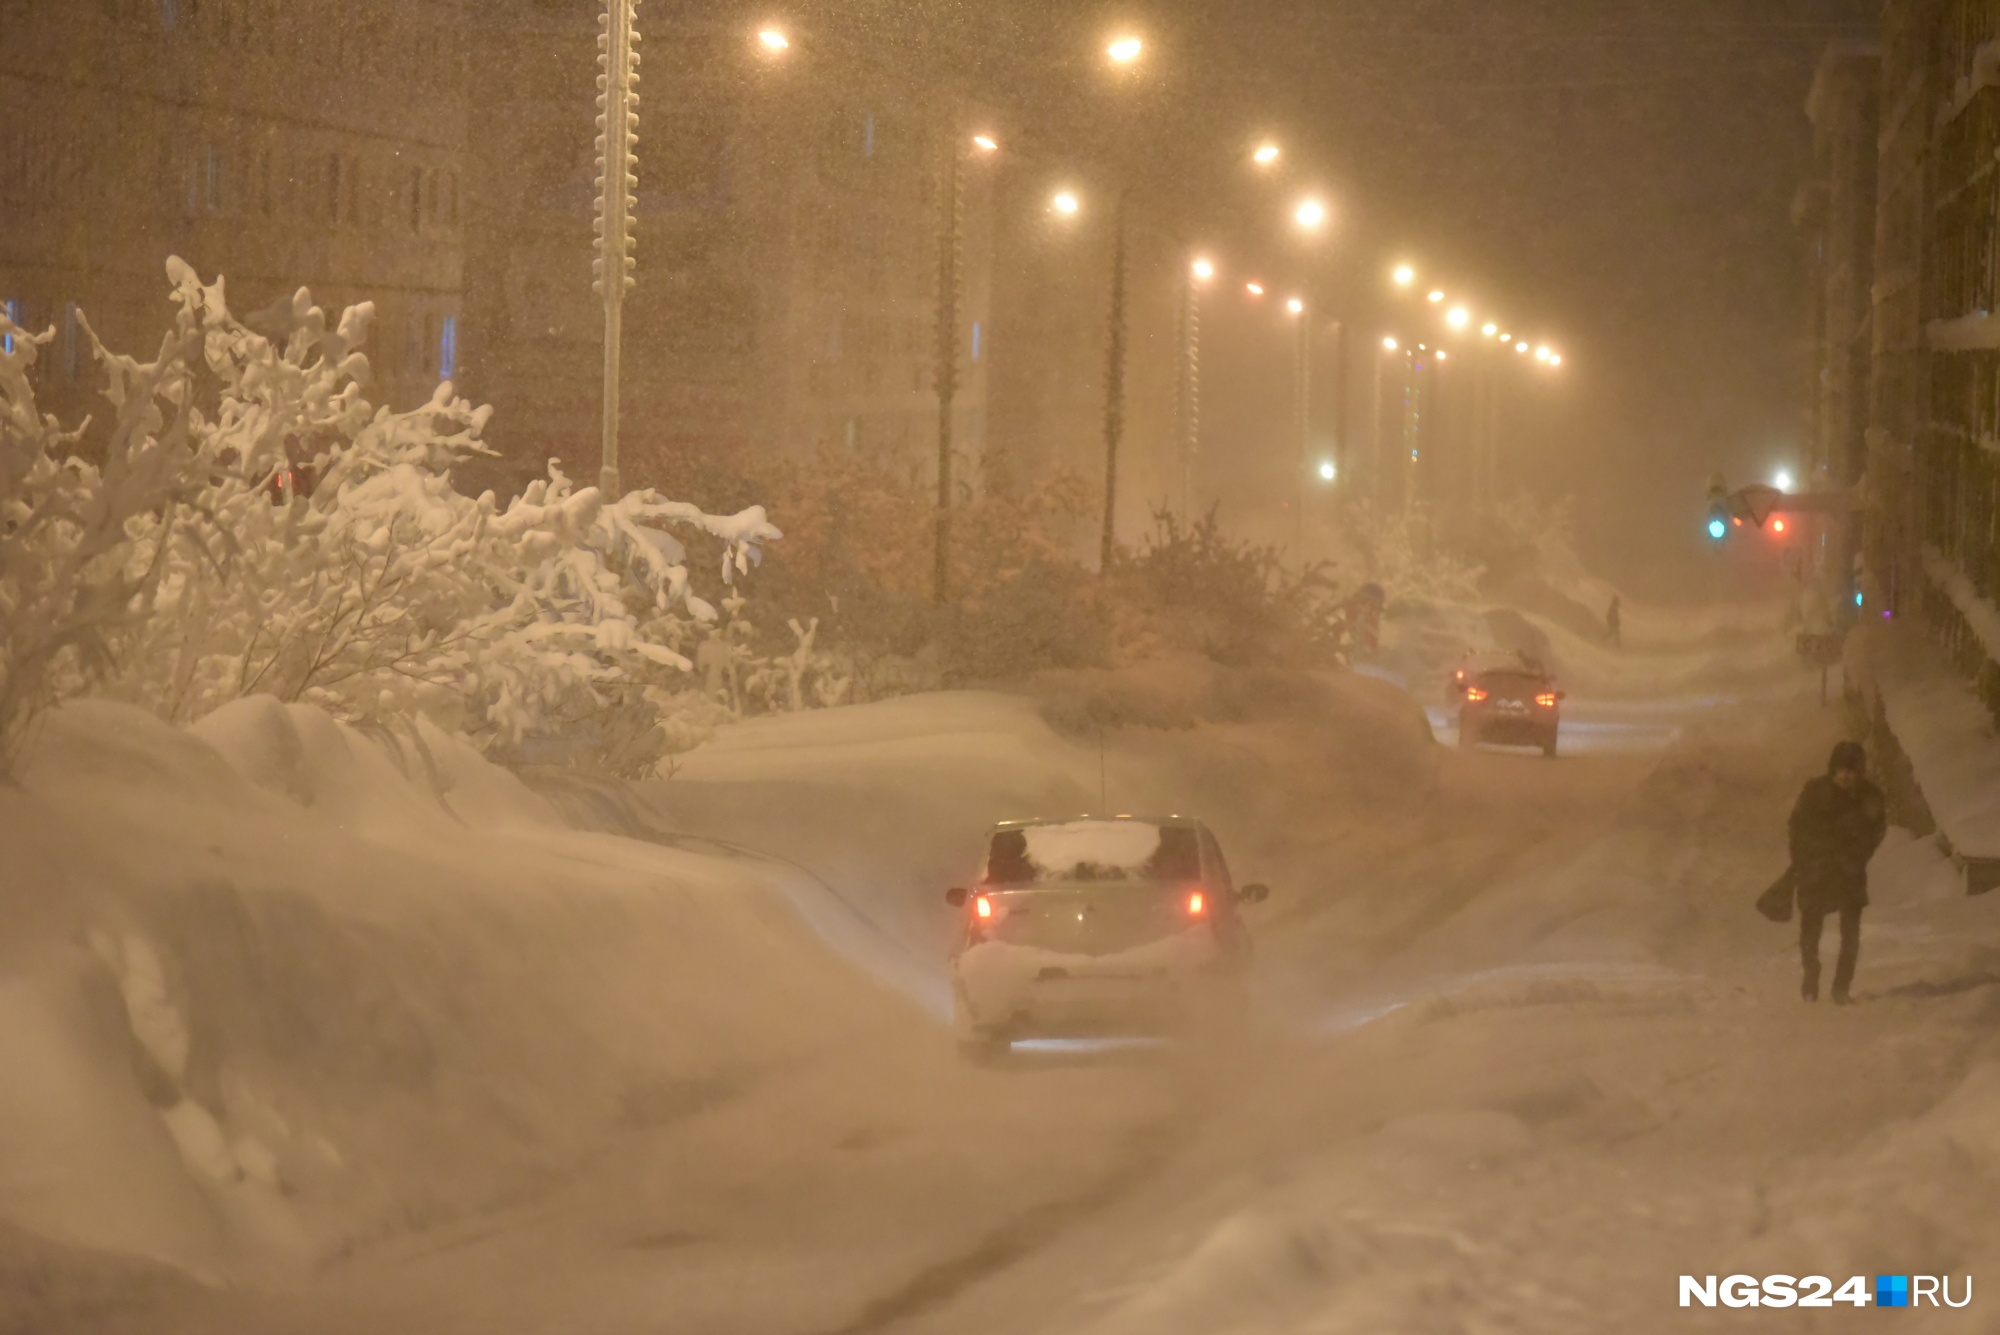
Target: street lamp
773, 41
1489, 329
1188, 405
1065, 204
617, 183
1265, 155
1459, 317
1124, 50
1327, 470
1520, 347
1254, 289
1404, 275
1555, 359
1295, 306
1390, 345
1436, 298
1542, 353
949, 289
1310, 214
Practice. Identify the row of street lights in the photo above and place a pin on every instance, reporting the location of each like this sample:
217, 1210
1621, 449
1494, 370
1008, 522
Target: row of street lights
1309, 214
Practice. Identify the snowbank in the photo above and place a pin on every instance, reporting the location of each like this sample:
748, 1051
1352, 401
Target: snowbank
271, 989
1943, 729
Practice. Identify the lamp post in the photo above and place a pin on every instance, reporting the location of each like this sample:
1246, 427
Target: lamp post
951, 226
1188, 403
617, 179
1114, 386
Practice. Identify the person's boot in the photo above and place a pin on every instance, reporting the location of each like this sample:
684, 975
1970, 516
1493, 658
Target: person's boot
1840, 997
1809, 990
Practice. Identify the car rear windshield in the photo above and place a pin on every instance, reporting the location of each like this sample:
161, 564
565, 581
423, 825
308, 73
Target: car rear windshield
1094, 850
1517, 682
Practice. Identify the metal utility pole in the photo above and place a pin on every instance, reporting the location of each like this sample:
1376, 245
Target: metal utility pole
950, 227
1303, 426
617, 181
1189, 403
1114, 391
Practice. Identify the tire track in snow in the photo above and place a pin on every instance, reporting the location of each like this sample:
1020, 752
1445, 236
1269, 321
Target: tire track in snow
1018, 1238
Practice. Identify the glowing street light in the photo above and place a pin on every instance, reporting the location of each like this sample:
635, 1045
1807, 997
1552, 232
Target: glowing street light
774, 41
1404, 275
1489, 329
1124, 50
1065, 203
985, 143
1555, 359
1328, 471
1443, 356
1202, 271
1783, 480
1436, 298
1265, 155
1254, 289
1390, 345
1310, 214
1542, 353
1520, 347
1295, 306
1458, 317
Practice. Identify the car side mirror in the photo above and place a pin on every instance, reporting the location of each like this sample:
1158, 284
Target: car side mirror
1255, 893
956, 896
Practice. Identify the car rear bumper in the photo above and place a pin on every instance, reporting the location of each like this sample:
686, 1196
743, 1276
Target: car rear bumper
1520, 729
1038, 994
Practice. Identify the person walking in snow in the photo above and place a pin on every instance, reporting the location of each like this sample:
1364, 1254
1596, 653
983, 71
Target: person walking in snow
1836, 826
1613, 618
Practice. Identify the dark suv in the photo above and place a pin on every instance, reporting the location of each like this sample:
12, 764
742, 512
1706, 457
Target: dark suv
1515, 706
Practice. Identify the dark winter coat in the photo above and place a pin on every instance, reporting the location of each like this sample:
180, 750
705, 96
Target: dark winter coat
1834, 833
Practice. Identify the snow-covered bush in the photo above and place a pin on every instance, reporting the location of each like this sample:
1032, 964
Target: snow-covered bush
318, 552
1402, 550
71, 580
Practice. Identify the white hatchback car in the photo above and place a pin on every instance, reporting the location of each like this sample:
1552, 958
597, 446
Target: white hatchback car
1096, 926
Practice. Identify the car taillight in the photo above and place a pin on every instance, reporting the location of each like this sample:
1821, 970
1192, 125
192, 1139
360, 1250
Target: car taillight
1474, 694
982, 908
1547, 699
1197, 904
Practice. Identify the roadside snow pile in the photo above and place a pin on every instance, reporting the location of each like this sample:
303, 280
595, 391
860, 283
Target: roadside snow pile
1942, 728
318, 988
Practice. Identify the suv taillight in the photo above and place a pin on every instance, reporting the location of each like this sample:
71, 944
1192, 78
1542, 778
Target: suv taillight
1474, 694
1547, 699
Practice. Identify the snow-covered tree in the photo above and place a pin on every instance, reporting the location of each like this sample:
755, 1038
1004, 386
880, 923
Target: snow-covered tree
308, 544
71, 580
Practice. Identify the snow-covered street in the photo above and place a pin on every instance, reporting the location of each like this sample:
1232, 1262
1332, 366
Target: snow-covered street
425, 1056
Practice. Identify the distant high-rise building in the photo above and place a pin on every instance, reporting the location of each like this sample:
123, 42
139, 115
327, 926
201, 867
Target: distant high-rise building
314, 143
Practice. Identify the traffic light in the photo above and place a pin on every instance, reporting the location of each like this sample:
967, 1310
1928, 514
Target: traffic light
1720, 508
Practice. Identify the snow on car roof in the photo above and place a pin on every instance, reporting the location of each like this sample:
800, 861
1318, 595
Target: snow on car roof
1026, 822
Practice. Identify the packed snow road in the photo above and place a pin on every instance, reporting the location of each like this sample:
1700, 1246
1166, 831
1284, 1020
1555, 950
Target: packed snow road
1522, 1053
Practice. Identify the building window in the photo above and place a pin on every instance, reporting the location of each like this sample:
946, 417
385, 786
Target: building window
451, 198
354, 191
868, 135
416, 198
434, 194
333, 186
11, 308
448, 348
170, 14
976, 331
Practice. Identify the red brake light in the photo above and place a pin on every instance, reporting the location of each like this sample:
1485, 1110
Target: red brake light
982, 907
1547, 699
1777, 526
1474, 694
1197, 904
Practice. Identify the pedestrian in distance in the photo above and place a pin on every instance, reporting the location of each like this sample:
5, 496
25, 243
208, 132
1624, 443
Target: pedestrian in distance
1836, 826
1613, 620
